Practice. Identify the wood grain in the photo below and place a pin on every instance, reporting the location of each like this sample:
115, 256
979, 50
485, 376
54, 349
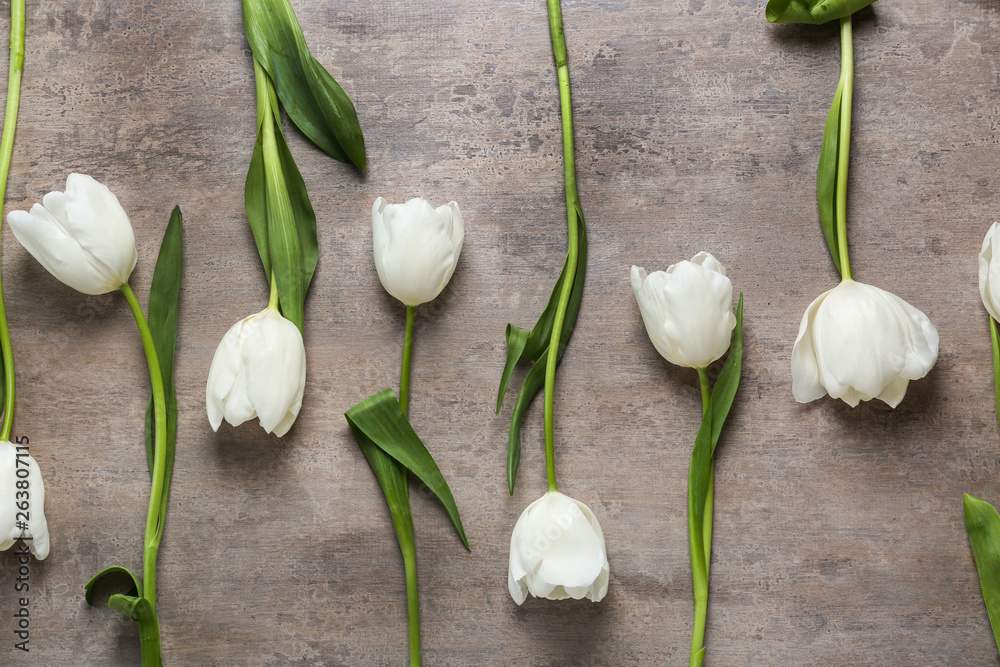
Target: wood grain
839, 536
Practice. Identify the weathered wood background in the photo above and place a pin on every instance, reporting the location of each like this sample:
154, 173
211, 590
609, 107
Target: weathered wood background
839, 535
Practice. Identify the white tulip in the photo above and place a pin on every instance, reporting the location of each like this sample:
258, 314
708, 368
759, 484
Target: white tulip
989, 271
416, 247
858, 342
259, 370
31, 492
557, 551
687, 310
81, 236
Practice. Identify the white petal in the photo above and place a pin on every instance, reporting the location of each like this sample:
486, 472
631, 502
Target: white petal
55, 249
417, 255
806, 384
557, 551
226, 365
275, 361
102, 227
648, 291
989, 272
36, 535
698, 314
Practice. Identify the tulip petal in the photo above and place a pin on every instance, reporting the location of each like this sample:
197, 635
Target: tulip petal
858, 342
806, 384
36, 535
416, 247
274, 358
222, 375
557, 551
55, 249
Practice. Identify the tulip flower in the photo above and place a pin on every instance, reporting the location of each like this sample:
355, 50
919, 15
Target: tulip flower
557, 551
416, 247
857, 342
81, 236
259, 370
687, 310
989, 271
22, 502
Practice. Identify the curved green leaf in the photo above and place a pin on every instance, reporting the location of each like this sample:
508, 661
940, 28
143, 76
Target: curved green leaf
535, 348
381, 421
315, 102
278, 208
164, 299
826, 176
723, 395
812, 11
983, 525
113, 572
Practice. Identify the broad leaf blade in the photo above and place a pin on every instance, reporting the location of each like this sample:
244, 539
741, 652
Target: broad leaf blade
391, 476
708, 435
533, 382
255, 201
113, 572
826, 177
302, 212
381, 419
983, 525
516, 340
315, 102
812, 11
724, 391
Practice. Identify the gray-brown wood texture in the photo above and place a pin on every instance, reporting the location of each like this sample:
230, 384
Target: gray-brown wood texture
839, 534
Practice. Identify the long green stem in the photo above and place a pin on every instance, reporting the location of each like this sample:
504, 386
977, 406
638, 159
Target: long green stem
701, 551
272, 301
404, 375
154, 529
404, 524
412, 605
996, 362
6, 151
844, 145
572, 205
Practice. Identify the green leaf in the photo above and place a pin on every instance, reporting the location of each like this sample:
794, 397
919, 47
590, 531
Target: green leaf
826, 176
315, 102
136, 608
381, 420
983, 525
391, 476
723, 395
114, 572
812, 11
278, 208
164, 298
535, 348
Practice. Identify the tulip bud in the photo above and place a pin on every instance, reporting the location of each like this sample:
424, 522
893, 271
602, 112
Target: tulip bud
416, 247
989, 271
557, 551
16, 523
687, 310
259, 370
858, 342
81, 236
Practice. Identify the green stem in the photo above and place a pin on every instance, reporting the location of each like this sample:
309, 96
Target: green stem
701, 551
272, 302
404, 376
572, 206
844, 145
404, 524
6, 151
412, 604
996, 362
154, 528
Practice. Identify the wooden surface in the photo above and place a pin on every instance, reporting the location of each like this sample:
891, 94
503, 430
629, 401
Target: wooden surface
839, 535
